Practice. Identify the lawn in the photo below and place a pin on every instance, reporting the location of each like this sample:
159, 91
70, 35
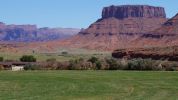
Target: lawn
88, 85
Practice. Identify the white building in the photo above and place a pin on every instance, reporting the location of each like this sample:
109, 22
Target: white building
17, 67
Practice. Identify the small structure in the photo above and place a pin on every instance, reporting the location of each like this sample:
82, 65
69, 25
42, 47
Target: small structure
18, 66
14, 66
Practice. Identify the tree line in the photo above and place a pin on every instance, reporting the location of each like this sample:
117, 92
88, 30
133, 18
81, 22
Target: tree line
94, 63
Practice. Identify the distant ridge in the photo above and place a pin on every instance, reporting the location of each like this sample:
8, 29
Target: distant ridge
30, 33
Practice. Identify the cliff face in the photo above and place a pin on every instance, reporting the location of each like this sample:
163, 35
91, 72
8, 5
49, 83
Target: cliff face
119, 26
128, 19
127, 11
20, 33
166, 35
30, 33
170, 27
157, 53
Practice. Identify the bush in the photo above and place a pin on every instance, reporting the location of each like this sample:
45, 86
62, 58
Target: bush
93, 60
1, 59
144, 64
134, 65
28, 58
51, 60
98, 65
62, 66
169, 66
80, 64
64, 53
113, 65
73, 64
31, 67
84, 65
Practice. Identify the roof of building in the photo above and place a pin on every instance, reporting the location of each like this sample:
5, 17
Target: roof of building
16, 63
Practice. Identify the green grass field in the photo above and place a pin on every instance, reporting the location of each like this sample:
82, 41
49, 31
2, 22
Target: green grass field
88, 85
43, 56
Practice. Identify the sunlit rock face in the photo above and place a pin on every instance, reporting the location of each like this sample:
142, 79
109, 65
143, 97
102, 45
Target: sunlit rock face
128, 11
120, 25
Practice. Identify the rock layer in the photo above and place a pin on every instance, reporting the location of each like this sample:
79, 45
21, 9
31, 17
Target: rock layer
119, 26
169, 28
128, 11
156, 53
166, 35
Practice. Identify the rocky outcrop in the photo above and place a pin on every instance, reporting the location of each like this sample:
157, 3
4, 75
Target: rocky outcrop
30, 33
156, 53
127, 11
168, 29
128, 19
165, 35
119, 26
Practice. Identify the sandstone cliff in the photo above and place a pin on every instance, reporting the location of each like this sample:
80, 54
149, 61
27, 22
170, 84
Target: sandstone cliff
166, 35
119, 26
127, 11
157, 53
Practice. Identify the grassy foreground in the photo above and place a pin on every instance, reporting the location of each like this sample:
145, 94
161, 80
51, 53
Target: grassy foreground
88, 85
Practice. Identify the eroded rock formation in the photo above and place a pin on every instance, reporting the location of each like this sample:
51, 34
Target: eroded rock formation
166, 35
156, 53
119, 26
127, 11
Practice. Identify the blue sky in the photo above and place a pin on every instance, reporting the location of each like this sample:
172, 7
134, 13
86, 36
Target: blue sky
67, 13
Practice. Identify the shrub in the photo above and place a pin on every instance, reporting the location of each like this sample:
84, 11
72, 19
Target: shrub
93, 60
98, 65
31, 67
133, 64
73, 64
51, 60
169, 66
86, 65
144, 64
80, 64
113, 65
1, 59
28, 58
62, 66
64, 53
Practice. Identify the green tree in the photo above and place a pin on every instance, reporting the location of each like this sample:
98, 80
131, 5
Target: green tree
1, 59
28, 58
93, 60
